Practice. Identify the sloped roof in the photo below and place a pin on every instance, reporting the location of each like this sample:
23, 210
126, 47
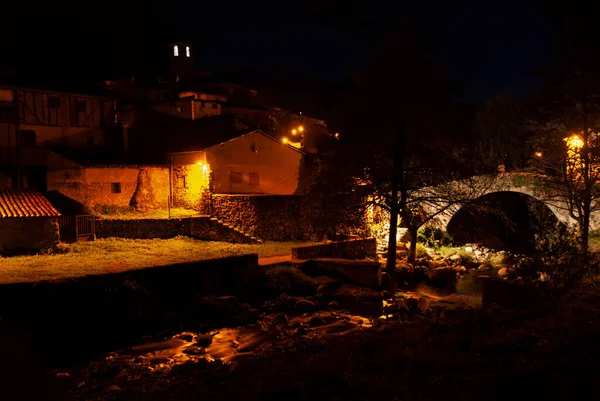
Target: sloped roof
25, 203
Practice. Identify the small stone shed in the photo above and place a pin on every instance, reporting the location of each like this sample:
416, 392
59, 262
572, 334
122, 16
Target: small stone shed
28, 222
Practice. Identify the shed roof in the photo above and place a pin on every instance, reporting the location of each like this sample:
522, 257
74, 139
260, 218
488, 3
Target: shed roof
25, 203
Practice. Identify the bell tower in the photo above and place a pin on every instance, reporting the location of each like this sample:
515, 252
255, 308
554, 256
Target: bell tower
180, 54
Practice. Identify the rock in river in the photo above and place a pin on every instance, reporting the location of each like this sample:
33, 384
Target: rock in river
304, 306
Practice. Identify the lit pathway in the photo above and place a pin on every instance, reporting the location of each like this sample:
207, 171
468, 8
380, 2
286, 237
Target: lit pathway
274, 259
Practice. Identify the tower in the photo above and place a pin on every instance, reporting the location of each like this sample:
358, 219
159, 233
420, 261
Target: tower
180, 54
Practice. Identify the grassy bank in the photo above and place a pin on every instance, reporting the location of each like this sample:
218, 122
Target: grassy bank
117, 254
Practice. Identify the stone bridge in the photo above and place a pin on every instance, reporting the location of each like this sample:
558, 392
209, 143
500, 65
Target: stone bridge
476, 187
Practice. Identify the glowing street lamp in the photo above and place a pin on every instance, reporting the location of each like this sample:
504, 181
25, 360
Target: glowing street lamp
301, 128
574, 142
539, 154
284, 140
294, 132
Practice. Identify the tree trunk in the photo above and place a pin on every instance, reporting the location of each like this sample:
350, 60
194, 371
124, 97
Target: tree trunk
390, 266
585, 230
412, 252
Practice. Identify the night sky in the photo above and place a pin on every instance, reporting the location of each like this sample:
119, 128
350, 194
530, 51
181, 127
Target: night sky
485, 49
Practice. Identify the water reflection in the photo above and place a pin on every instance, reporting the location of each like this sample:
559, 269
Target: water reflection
229, 343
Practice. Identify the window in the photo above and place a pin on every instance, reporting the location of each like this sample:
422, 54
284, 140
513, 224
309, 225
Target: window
187, 51
203, 105
81, 106
253, 179
236, 179
115, 187
176, 51
28, 138
53, 102
181, 182
214, 106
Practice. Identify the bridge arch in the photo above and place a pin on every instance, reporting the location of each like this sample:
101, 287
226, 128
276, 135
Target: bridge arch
523, 183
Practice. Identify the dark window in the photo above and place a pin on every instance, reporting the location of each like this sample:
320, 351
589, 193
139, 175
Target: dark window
214, 105
81, 106
53, 102
202, 105
115, 187
253, 179
90, 141
27, 138
181, 182
235, 179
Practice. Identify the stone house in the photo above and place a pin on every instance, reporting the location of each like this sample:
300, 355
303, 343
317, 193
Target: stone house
251, 163
28, 221
94, 182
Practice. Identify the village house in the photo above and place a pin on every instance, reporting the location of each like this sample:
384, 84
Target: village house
31, 120
96, 180
28, 221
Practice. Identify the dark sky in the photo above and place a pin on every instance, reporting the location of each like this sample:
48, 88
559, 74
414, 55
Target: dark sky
487, 47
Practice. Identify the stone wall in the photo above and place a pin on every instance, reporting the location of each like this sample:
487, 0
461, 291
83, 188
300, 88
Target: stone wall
143, 187
279, 217
28, 234
191, 183
203, 228
348, 249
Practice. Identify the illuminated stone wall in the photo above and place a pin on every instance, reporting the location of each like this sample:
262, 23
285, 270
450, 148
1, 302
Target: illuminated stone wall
191, 184
27, 234
144, 188
282, 217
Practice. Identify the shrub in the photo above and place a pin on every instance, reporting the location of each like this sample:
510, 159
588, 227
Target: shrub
447, 251
285, 279
421, 251
433, 237
557, 257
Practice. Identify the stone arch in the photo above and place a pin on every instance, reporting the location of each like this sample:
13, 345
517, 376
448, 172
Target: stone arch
523, 183
511, 224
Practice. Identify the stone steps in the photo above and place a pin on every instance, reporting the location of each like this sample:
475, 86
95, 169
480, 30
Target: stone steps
226, 224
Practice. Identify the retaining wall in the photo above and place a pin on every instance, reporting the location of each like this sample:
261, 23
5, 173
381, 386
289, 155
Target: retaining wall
348, 249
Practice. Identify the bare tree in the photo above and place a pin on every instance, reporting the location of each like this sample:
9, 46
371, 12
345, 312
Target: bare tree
567, 127
399, 141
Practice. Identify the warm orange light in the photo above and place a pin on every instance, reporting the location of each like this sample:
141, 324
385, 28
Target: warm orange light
294, 132
301, 128
200, 163
538, 154
285, 140
574, 142
337, 135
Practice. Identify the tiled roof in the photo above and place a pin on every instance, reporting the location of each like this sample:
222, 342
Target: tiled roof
25, 203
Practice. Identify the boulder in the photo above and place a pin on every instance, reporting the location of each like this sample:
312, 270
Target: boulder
434, 264
455, 259
204, 340
304, 306
423, 304
386, 282
411, 304
281, 318
469, 249
316, 321
484, 266
460, 269
443, 275
503, 272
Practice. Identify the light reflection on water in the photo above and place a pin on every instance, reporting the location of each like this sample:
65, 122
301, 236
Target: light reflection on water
229, 343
